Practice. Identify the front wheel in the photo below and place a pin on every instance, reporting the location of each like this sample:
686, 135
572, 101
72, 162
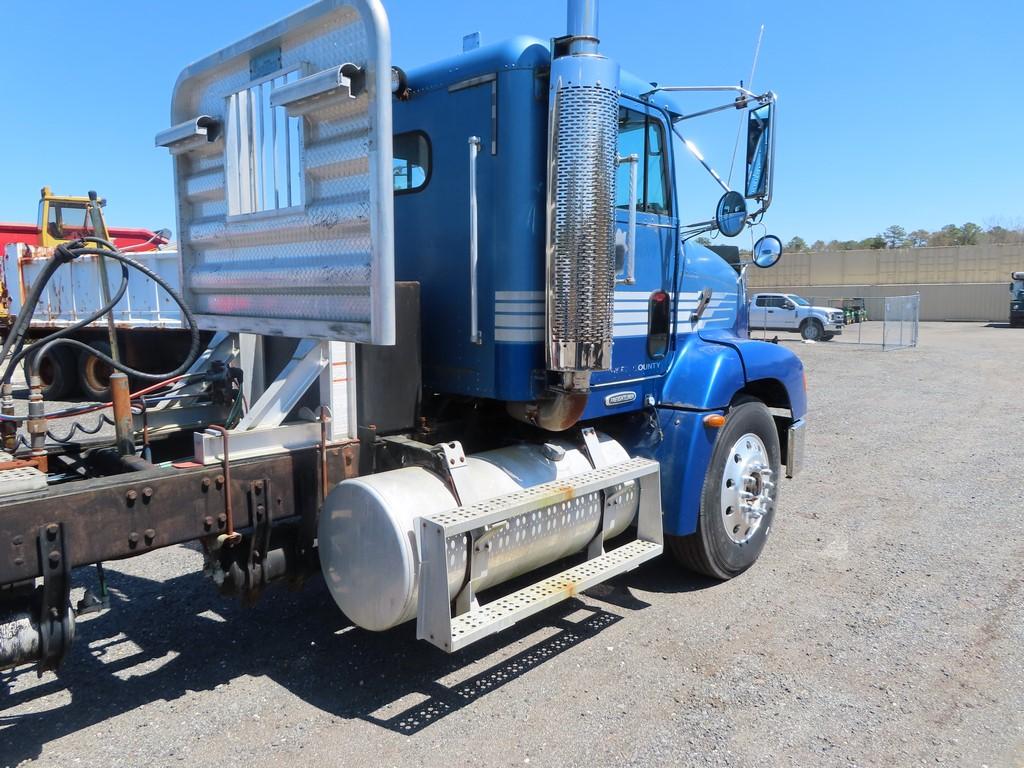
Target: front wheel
812, 330
739, 497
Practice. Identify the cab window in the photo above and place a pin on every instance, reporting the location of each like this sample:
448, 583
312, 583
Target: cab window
411, 166
643, 136
67, 222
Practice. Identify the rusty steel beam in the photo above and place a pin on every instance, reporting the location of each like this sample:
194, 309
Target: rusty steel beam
112, 518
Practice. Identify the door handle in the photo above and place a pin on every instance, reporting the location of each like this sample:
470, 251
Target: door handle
703, 299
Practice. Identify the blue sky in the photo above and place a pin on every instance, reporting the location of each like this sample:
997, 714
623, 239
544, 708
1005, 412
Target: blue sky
890, 112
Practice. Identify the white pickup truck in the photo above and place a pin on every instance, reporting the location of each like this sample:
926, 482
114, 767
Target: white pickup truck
789, 312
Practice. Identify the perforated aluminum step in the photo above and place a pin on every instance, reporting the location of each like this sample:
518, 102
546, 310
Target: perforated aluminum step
506, 611
463, 519
434, 621
20, 480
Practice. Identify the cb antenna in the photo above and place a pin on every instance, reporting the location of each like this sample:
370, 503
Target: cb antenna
750, 87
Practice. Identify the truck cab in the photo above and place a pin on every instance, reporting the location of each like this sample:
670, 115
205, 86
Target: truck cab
789, 312
466, 308
1017, 299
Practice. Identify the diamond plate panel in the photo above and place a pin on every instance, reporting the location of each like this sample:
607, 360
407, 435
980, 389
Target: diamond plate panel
322, 266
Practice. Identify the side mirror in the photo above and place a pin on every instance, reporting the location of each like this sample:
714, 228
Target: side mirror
767, 251
760, 153
731, 214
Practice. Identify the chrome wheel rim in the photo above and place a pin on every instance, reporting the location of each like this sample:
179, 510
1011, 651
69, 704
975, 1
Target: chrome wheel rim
747, 488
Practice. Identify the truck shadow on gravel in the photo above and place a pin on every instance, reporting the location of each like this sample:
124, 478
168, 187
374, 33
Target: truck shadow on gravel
163, 640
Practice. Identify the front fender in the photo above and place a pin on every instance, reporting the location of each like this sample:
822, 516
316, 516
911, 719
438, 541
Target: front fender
704, 376
763, 360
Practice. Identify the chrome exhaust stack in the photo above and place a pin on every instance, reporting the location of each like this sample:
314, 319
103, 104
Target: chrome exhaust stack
582, 144
580, 244
581, 23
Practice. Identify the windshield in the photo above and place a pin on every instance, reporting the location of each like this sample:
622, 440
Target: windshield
68, 221
796, 299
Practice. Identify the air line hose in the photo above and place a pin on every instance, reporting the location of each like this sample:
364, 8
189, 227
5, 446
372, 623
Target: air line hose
62, 255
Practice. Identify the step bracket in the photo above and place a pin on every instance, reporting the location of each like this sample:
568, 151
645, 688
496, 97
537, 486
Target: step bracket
472, 621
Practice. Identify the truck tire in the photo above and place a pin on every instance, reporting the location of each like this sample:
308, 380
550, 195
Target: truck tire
729, 539
58, 371
828, 337
812, 329
94, 374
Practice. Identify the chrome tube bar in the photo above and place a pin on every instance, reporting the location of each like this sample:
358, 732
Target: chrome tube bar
630, 262
474, 320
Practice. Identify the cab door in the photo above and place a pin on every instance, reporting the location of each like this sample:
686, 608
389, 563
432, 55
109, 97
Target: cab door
643, 290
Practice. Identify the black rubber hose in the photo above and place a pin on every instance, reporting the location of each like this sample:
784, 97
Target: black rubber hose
38, 351
16, 338
77, 427
190, 320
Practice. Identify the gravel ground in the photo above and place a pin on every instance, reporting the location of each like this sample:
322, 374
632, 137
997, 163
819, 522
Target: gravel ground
883, 626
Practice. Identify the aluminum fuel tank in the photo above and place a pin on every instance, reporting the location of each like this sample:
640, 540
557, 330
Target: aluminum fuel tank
369, 550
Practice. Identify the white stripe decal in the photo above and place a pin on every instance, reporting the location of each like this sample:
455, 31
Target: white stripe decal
630, 317
633, 295
518, 321
519, 315
519, 295
522, 307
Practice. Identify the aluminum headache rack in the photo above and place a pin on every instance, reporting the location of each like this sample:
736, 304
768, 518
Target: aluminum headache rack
471, 621
282, 170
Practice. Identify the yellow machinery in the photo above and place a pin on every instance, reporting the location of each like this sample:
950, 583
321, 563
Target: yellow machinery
63, 218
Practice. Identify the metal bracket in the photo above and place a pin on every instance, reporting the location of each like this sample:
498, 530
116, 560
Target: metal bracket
455, 464
190, 134
261, 431
592, 448
593, 451
478, 558
435, 621
259, 540
281, 396
346, 81
56, 623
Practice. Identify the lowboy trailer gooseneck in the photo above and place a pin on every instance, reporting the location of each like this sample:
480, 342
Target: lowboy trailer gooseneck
461, 333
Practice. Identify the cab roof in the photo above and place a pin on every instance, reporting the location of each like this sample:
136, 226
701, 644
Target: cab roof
520, 52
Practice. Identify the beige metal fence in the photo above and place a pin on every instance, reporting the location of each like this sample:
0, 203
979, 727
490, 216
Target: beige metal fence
955, 283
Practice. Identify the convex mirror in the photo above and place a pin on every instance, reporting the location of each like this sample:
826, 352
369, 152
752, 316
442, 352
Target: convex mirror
731, 214
767, 251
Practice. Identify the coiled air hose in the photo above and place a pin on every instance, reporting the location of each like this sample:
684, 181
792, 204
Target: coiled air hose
68, 252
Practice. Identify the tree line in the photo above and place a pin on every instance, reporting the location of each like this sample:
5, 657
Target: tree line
896, 236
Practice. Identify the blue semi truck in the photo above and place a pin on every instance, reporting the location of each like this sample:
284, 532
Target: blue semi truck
463, 331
